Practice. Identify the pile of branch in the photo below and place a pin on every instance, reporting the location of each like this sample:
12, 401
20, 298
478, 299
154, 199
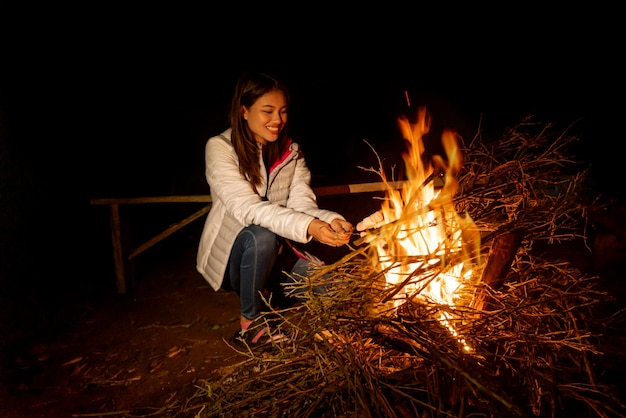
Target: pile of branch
529, 180
525, 340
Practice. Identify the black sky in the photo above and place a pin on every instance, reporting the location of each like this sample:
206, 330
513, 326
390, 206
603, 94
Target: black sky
119, 101
124, 99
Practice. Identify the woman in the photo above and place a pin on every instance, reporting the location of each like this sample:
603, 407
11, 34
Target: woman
260, 189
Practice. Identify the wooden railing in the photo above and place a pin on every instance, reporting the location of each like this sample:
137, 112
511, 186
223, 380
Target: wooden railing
121, 257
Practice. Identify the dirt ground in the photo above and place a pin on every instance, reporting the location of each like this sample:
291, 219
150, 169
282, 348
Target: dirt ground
104, 354
133, 355
128, 356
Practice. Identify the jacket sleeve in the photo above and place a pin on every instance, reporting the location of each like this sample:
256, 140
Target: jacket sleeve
240, 199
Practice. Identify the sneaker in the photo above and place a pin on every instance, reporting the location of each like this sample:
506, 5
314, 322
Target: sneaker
257, 335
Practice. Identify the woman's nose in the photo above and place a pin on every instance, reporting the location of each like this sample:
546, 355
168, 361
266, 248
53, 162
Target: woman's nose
280, 117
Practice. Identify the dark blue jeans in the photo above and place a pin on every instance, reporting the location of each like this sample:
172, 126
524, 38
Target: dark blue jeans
251, 264
249, 267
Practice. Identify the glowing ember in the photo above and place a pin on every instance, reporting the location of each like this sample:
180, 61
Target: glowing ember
424, 247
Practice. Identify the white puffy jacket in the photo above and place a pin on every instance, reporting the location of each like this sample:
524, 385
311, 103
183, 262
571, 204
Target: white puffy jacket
290, 208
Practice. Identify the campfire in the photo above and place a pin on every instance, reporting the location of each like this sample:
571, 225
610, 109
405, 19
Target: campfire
451, 303
424, 247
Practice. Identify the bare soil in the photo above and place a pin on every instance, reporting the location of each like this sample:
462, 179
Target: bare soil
98, 353
127, 356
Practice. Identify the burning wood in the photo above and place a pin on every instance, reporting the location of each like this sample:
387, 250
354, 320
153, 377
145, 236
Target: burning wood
392, 337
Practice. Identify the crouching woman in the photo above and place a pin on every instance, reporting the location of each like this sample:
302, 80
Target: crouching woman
260, 189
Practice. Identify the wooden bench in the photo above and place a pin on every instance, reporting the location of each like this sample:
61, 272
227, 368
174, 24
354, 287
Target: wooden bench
122, 258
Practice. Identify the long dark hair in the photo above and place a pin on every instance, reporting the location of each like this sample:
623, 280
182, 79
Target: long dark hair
249, 88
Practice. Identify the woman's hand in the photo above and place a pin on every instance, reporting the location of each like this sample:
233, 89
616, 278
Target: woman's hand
335, 234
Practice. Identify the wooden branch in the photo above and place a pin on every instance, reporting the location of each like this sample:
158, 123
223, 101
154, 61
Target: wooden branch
169, 231
499, 261
153, 199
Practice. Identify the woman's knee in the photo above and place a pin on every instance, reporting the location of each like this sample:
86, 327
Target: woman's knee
264, 239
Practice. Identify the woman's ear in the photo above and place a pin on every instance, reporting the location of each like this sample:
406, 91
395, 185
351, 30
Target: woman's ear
244, 112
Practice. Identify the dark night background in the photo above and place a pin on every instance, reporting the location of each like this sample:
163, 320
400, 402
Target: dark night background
118, 102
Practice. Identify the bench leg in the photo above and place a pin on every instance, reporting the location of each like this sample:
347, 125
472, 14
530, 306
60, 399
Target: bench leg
118, 256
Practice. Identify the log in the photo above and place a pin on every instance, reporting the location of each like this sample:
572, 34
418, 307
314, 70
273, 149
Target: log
501, 255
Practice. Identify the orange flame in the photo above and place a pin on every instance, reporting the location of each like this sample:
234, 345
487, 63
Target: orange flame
427, 249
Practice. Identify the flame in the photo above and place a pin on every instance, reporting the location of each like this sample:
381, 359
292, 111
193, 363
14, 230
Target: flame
426, 249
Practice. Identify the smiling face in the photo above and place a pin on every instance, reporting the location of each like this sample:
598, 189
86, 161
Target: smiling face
267, 116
